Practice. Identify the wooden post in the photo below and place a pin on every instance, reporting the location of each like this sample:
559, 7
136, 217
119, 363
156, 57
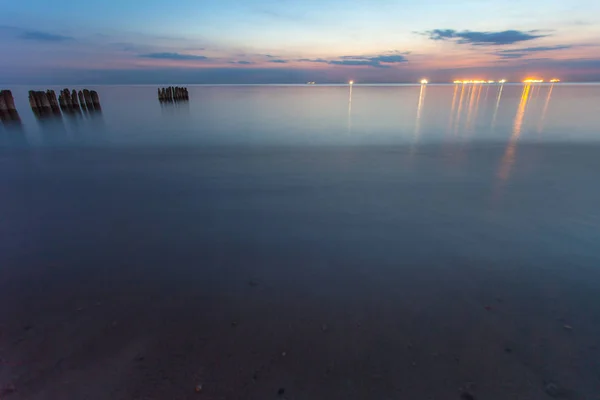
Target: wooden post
95, 99
44, 101
3, 105
68, 100
88, 99
32, 101
53, 101
74, 99
61, 101
8, 100
81, 100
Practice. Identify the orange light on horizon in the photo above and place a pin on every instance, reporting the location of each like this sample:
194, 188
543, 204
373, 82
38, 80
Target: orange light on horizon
351, 83
530, 80
554, 80
424, 81
475, 81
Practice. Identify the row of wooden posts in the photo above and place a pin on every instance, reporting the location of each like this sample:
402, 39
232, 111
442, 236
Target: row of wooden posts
173, 93
41, 101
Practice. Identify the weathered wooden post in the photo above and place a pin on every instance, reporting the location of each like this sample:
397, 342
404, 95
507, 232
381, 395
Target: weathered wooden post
53, 101
32, 101
8, 111
61, 101
95, 99
44, 102
68, 100
81, 99
3, 106
88, 99
8, 100
74, 99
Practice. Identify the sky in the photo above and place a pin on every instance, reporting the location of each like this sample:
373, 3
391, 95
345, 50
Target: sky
295, 41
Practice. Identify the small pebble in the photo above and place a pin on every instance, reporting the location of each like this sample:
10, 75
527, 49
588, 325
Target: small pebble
324, 327
467, 396
568, 327
253, 283
552, 390
508, 350
8, 389
281, 391
198, 388
489, 308
283, 354
234, 324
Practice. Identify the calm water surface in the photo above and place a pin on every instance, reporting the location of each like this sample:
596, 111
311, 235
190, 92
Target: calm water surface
446, 238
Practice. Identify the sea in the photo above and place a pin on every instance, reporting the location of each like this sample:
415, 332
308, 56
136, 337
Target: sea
303, 242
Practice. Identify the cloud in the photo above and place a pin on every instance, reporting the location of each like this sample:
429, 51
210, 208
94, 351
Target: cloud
355, 63
173, 56
483, 38
392, 58
44, 37
368, 61
243, 62
519, 53
278, 61
315, 60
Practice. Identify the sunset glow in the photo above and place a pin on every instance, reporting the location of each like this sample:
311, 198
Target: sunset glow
262, 41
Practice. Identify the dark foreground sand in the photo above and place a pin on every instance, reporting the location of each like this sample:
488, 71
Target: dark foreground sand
130, 290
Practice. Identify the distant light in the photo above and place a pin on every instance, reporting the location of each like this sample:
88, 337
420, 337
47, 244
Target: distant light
424, 82
351, 83
554, 80
502, 81
533, 81
473, 81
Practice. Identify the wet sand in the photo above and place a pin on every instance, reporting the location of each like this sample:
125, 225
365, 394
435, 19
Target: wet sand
305, 274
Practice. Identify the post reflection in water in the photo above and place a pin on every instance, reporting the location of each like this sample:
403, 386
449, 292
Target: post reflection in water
52, 128
545, 110
509, 155
12, 134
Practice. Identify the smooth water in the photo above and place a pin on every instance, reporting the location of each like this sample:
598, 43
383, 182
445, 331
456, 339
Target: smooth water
446, 222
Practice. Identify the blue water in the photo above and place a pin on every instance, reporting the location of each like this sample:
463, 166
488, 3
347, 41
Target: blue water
414, 204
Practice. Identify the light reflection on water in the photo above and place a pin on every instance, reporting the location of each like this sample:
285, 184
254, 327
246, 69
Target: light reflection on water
314, 115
